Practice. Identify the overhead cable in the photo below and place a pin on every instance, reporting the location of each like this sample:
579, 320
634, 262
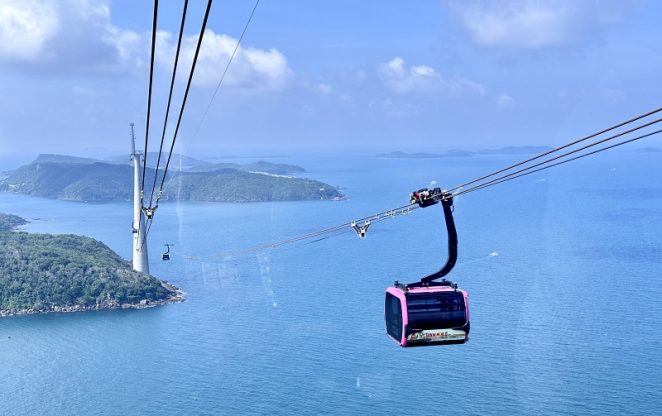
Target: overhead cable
149, 93
186, 92
225, 71
181, 111
530, 167
602, 149
556, 149
391, 213
545, 164
167, 113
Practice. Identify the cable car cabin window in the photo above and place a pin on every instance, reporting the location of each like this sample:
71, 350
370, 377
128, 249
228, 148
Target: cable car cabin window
436, 310
393, 316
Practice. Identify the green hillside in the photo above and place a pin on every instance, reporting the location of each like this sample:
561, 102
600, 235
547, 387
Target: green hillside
47, 273
230, 185
99, 182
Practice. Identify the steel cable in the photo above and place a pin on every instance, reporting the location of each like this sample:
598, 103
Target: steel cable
149, 93
602, 149
186, 92
167, 113
530, 167
521, 172
590, 136
225, 71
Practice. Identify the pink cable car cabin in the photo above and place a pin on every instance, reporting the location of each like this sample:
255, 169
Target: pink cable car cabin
429, 312
427, 315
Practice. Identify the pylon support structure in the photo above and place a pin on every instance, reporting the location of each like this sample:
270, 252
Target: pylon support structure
140, 258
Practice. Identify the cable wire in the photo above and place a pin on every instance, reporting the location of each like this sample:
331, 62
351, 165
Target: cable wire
590, 136
391, 213
149, 94
167, 113
521, 172
602, 149
188, 87
225, 71
500, 178
181, 112
220, 82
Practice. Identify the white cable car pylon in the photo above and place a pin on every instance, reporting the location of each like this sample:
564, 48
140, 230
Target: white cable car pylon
140, 258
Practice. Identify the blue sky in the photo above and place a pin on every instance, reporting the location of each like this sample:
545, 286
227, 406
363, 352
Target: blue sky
318, 76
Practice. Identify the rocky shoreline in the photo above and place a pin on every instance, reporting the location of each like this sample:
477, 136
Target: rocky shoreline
47, 273
177, 297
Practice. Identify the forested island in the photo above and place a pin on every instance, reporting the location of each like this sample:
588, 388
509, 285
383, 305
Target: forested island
649, 150
8, 222
89, 180
42, 273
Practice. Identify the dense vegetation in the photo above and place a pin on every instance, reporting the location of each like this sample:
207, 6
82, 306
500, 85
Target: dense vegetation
78, 179
230, 185
43, 273
71, 181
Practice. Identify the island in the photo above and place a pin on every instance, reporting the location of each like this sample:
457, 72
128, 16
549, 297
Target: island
88, 180
649, 150
403, 155
41, 273
8, 222
507, 150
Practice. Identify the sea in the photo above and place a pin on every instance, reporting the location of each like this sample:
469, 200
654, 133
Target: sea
563, 270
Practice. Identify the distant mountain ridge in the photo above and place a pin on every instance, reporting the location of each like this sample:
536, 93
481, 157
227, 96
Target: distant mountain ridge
176, 160
82, 179
186, 163
649, 150
55, 158
507, 150
259, 166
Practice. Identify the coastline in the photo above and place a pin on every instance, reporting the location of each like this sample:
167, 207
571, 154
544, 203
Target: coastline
176, 297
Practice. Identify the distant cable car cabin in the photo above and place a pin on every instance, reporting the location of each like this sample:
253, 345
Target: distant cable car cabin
429, 312
166, 255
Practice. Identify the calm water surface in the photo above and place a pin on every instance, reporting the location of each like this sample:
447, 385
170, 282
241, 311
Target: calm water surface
563, 270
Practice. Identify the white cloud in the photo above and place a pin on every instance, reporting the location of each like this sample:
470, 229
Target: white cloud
65, 36
505, 100
25, 27
251, 68
424, 80
78, 36
531, 24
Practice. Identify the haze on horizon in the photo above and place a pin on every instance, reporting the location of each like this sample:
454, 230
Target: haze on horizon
318, 76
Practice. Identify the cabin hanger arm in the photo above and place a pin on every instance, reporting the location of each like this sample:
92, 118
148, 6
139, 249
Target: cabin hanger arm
425, 198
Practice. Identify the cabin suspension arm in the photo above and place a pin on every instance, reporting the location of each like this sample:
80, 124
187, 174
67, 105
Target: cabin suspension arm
425, 198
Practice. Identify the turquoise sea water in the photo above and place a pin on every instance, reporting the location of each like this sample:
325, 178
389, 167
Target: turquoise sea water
562, 267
